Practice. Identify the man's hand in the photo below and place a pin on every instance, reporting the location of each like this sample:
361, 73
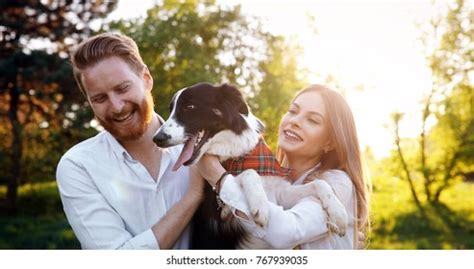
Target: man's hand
210, 168
196, 183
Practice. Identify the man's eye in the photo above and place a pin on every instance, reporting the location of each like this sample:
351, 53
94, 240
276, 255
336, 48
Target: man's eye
98, 99
124, 88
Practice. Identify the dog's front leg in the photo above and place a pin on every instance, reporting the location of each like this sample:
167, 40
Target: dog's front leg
336, 212
257, 200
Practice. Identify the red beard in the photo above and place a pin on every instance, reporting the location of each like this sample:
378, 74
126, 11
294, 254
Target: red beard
144, 111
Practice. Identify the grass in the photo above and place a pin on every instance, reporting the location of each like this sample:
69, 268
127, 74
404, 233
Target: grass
40, 222
396, 222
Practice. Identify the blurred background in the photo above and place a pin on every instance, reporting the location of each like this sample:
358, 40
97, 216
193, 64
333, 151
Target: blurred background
405, 67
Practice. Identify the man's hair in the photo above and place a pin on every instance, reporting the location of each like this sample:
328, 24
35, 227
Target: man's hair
103, 46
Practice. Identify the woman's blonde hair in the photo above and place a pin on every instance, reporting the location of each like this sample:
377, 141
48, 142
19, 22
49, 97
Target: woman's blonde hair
103, 46
345, 153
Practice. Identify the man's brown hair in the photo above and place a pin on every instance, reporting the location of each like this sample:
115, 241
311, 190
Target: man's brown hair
102, 46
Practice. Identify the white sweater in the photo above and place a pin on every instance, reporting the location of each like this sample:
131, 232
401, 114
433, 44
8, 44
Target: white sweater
304, 225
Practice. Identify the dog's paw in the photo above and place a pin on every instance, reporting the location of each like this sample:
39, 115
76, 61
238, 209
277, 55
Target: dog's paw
256, 197
260, 215
337, 217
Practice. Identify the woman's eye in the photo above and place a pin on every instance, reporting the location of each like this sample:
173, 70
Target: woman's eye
313, 121
291, 111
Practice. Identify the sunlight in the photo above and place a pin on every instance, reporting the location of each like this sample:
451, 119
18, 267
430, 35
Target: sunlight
371, 45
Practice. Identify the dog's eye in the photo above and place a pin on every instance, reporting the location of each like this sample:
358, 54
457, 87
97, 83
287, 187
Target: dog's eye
190, 107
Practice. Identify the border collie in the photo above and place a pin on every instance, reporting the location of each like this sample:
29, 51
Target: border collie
216, 120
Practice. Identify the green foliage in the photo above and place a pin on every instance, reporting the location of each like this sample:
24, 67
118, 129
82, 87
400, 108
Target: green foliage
443, 154
197, 41
194, 41
397, 223
38, 97
282, 79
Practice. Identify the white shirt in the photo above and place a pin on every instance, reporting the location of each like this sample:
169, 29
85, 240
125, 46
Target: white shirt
110, 199
304, 225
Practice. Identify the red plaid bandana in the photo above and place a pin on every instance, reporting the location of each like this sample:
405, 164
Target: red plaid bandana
261, 159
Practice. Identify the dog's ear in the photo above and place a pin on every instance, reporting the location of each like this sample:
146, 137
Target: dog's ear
232, 96
231, 104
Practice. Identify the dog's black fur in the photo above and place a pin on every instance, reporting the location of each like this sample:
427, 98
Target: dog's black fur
214, 109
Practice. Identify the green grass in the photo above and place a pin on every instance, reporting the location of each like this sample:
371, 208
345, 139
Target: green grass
396, 222
40, 222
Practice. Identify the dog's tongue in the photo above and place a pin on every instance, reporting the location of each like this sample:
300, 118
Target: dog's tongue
186, 153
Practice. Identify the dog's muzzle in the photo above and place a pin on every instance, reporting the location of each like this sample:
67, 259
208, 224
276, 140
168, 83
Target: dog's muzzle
161, 139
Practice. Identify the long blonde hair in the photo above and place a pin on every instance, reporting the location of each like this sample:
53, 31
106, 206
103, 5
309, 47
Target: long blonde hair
345, 154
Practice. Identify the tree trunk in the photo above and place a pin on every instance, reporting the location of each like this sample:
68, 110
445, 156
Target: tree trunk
407, 171
16, 151
424, 168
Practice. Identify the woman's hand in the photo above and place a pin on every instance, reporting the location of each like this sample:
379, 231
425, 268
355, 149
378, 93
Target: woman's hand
210, 168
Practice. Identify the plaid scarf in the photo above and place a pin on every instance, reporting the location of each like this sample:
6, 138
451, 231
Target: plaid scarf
261, 159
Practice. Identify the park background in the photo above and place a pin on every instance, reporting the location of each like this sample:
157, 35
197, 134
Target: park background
405, 67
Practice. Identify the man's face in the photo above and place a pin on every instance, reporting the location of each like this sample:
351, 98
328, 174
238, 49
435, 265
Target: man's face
121, 99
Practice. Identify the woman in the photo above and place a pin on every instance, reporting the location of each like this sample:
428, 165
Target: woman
317, 139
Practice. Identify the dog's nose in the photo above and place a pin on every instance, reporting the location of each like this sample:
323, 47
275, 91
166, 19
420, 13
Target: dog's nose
161, 138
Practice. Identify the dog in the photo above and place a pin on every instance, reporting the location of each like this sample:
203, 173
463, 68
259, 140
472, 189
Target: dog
216, 120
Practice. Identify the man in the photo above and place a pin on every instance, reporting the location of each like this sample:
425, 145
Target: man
117, 188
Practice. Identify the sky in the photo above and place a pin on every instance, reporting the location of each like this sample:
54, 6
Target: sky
370, 43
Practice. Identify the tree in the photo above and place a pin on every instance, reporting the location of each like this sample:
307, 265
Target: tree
194, 41
282, 79
38, 97
445, 153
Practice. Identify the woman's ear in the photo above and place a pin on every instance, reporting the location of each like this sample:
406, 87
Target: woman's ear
328, 146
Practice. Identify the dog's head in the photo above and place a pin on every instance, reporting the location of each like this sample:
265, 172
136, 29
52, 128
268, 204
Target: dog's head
200, 112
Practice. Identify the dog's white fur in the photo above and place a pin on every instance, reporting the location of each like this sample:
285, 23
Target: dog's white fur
227, 144
173, 129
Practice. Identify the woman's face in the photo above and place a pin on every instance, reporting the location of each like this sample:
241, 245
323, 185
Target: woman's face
304, 131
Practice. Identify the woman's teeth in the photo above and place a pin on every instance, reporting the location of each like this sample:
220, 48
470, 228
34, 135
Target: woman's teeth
292, 135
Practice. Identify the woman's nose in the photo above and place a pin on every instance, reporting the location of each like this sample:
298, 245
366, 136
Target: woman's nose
295, 120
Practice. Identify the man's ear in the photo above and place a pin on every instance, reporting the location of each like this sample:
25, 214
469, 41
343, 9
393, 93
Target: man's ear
147, 78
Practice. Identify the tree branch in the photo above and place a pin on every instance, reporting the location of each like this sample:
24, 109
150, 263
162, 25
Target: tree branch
396, 118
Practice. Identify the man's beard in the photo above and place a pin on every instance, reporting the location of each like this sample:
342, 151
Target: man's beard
125, 133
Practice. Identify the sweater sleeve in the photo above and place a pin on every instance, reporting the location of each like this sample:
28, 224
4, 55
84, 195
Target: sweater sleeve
304, 222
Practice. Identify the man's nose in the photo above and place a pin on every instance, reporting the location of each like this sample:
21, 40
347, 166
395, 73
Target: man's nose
117, 103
